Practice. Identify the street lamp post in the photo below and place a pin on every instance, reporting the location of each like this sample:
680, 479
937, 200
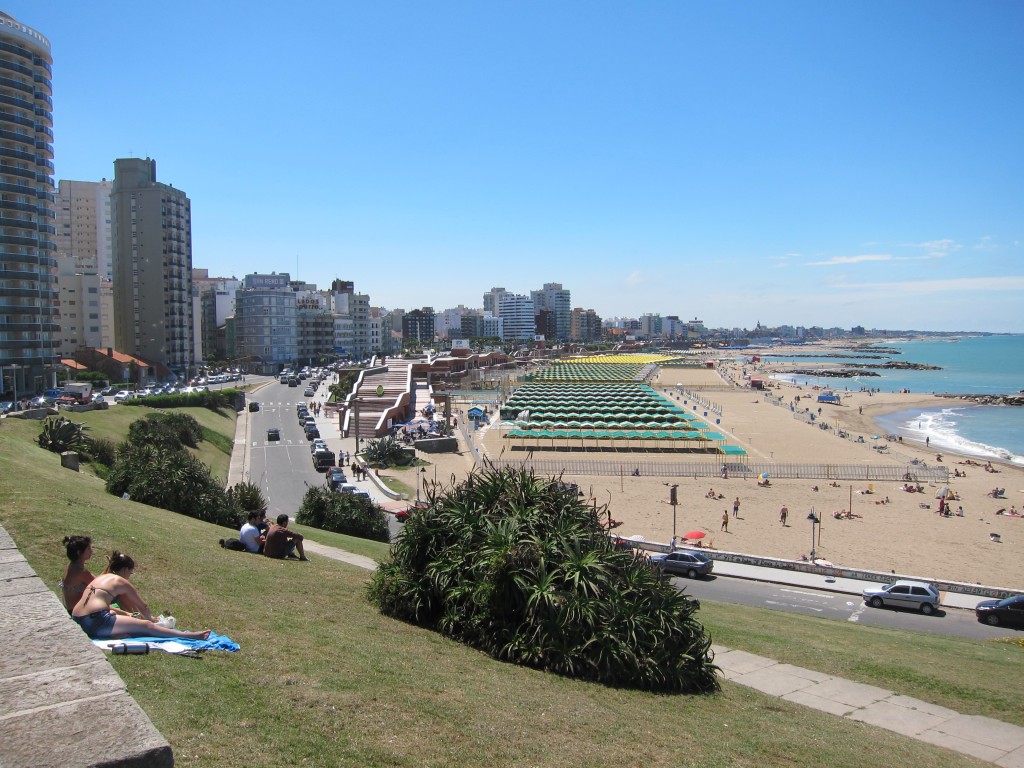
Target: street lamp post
814, 523
673, 499
422, 471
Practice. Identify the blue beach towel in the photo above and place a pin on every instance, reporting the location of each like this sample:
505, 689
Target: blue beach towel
176, 644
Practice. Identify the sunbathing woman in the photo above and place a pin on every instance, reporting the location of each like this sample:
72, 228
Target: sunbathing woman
76, 576
101, 622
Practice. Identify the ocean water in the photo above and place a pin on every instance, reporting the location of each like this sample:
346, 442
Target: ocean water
971, 365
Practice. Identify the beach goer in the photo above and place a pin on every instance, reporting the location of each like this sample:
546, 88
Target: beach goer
282, 543
76, 576
736, 507
783, 514
725, 521
100, 621
959, 511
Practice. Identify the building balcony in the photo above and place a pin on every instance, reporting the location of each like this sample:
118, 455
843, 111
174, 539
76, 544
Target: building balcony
17, 85
17, 101
12, 240
18, 309
12, 119
21, 69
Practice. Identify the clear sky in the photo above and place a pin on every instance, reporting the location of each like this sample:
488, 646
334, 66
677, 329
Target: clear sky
804, 163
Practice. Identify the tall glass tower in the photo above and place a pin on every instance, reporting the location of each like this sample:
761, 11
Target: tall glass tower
29, 330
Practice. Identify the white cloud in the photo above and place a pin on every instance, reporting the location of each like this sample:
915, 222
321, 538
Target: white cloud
634, 278
850, 259
952, 285
939, 248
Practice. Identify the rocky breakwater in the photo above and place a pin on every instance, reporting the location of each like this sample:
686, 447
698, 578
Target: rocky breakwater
1017, 399
849, 370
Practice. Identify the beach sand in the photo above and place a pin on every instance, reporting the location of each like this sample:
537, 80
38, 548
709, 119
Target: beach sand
900, 537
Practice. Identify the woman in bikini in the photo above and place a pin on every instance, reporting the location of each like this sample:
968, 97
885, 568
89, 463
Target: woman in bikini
94, 613
76, 576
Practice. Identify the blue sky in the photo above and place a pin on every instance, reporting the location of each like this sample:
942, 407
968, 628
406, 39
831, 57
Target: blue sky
799, 163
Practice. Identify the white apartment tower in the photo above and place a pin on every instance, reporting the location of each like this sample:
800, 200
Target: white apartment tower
518, 316
28, 267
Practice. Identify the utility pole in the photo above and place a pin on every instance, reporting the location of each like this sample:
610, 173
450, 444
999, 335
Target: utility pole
673, 499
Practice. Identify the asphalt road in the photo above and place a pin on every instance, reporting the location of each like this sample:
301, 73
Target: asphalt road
282, 468
836, 607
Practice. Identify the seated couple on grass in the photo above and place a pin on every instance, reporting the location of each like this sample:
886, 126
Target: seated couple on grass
96, 613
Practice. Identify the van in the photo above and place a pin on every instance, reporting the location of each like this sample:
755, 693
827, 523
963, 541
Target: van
323, 460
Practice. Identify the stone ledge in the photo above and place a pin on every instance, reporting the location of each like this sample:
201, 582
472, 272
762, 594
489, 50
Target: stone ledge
61, 703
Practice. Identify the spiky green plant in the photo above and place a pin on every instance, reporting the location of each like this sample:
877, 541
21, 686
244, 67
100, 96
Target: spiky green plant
246, 497
519, 567
59, 434
387, 452
353, 514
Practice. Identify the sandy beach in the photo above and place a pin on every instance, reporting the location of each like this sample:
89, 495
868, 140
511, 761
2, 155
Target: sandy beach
900, 536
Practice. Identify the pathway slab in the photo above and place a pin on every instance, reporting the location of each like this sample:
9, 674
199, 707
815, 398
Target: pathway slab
817, 702
885, 714
774, 681
985, 731
741, 662
848, 692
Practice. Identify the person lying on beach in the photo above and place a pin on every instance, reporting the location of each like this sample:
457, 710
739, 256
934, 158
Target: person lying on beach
100, 621
997, 493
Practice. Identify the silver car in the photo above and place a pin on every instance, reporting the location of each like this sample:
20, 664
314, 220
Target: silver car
690, 564
919, 595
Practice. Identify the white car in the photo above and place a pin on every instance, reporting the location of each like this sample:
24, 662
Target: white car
123, 395
919, 595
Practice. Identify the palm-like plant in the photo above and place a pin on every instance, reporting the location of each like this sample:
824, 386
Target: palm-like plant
59, 435
386, 452
517, 566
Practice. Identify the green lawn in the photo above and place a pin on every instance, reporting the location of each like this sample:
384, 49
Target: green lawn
323, 679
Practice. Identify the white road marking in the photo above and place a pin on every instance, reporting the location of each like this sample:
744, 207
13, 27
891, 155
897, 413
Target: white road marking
808, 594
855, 616
794, 605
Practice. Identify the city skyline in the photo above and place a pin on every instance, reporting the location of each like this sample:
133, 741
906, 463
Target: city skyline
791, 164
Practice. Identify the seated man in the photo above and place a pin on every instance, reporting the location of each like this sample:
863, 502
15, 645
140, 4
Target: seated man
251, 536
283, 543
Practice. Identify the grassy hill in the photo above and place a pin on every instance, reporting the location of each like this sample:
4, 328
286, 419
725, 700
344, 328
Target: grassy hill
323, 680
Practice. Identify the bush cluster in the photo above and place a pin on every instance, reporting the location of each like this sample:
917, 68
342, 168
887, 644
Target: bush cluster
214, 400
342, 513
387, 452
518, 567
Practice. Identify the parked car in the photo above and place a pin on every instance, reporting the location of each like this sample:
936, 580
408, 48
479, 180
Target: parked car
300, 407
311, 432
123, 395
919, 595
7, 406
273, 433
1002, 613
308, 392
318, 445
253, 406
689, 564
335, 477
323, 459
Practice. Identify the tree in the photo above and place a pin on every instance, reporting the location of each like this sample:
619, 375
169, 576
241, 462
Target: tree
517, 566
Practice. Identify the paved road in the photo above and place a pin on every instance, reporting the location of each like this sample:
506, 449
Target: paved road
835, 606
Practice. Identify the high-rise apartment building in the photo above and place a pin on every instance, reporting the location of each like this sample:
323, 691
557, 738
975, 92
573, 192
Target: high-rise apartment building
152, 247
557, 300
85, 262
492, 301
28, 279
266, 323
517, 314
585, 325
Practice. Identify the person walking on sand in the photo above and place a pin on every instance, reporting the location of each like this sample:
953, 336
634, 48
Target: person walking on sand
783, 515
725, 521
736, 507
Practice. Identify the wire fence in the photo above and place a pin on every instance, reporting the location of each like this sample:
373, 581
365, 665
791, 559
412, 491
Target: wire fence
914, 473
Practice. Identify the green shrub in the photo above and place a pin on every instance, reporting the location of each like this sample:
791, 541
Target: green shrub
169, 478
185, 426
520, 568
342, 513
245, 497
102, 451
58, 434
153, 431
214, 400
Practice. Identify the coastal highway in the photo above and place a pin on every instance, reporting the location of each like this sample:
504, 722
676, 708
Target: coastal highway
836, 606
